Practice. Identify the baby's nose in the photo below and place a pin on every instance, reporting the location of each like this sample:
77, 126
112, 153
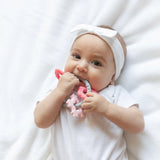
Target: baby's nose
82, 66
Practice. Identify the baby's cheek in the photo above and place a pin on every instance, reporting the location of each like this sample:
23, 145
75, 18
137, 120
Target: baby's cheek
67, 69
96, 81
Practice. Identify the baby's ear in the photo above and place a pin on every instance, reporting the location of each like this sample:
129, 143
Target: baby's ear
112, 80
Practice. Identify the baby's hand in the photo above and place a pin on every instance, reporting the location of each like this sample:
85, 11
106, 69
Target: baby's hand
95, 103
67, 83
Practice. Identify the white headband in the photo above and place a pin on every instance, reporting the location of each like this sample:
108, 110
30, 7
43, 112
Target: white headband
110, 37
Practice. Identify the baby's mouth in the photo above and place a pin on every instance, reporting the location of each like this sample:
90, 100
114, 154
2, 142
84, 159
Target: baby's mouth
85, 83
80, 78
81, 81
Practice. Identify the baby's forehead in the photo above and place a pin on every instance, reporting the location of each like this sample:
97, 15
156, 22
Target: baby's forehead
89, 37
91, 40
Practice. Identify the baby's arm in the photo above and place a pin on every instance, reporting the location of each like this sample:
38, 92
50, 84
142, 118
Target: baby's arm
129, 119
48, 109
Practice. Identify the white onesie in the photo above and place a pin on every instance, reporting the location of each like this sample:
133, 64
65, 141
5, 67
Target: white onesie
91, 138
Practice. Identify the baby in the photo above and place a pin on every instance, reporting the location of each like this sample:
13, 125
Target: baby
97, 55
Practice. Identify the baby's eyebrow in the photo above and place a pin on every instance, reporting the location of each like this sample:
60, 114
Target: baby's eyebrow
99, 56
75, 49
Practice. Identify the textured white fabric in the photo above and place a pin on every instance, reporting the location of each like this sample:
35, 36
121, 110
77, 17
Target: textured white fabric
108, 36
35, 39
93, 137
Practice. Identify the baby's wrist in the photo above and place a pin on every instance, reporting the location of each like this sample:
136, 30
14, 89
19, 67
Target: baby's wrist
107, 109
61, 93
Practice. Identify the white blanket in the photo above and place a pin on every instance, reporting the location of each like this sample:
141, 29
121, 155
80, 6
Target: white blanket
34, 40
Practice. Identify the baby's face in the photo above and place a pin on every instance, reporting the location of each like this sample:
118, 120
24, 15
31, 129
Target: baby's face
92, 59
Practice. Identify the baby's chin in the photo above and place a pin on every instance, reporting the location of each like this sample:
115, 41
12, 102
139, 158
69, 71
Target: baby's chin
98, 89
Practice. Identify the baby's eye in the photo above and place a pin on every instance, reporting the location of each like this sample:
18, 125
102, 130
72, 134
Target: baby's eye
96, 63
76, 56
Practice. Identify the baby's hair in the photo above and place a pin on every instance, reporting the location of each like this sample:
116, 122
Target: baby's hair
119, 37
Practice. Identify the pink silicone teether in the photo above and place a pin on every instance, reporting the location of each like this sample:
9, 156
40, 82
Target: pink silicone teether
58, 73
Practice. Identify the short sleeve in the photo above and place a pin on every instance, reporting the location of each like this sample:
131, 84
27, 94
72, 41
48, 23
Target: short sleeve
46, 90
123, 98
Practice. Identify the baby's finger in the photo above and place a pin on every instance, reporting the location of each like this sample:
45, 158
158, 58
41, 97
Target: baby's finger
87, 110
91, 94
86, 105
73, 78
88, 100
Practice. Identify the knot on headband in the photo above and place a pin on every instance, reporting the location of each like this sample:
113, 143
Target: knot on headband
108, 36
